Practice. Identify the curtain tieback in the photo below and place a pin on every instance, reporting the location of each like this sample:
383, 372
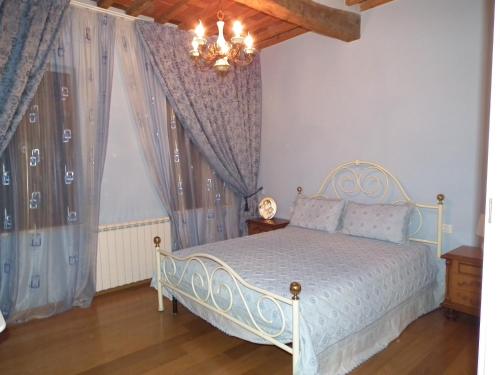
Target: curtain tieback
251, 195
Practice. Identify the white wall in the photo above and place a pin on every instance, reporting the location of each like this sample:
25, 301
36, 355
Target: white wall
127, 192
411, 94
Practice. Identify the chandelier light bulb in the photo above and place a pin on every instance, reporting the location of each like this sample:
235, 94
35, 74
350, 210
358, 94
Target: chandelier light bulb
237, 28
249, 49
194, 52
249, 41
199, 30
199, 35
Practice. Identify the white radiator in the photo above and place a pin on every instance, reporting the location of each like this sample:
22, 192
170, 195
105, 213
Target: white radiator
125, 252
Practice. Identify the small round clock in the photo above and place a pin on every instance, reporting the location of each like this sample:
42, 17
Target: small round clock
267, 208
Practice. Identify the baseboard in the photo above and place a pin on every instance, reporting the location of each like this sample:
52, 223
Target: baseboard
134, 285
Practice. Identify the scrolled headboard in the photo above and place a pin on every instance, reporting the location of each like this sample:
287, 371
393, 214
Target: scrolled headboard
369, 182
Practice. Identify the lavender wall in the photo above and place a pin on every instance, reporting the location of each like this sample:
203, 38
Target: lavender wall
412, 94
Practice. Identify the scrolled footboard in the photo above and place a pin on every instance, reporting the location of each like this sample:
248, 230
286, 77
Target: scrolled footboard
213, 284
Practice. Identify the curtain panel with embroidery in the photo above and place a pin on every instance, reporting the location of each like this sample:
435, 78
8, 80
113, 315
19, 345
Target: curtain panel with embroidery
220, 113
51, 176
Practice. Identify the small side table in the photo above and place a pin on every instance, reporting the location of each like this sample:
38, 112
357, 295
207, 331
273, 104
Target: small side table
464, 268
259, 225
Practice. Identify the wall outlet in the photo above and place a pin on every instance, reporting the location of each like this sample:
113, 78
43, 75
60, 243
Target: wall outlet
447, 228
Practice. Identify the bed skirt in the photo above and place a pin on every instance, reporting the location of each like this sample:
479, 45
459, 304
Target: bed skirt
347, 354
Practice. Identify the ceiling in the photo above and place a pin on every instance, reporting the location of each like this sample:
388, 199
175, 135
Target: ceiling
269, 21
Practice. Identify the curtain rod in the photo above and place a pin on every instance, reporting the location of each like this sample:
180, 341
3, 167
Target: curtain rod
93, 6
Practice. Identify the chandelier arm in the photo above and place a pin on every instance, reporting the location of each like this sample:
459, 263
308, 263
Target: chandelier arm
239, 57
246, 60
209, 53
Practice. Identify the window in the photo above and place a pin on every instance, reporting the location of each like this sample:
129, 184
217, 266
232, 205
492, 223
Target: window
37, 168
197, 184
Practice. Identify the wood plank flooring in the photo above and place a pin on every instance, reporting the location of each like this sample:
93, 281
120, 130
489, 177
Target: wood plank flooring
122, 333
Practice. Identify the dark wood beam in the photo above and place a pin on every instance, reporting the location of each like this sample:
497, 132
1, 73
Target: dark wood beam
353, 2
262, 25
369, 4
278, 38
265, 33
105, 3
138, 6
171, 12
336, 23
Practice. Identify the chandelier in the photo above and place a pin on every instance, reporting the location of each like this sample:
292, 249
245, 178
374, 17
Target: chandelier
221, 54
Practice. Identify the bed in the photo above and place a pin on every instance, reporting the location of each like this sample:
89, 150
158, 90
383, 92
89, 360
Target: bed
330, 298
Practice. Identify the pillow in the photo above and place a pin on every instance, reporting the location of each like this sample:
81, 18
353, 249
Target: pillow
386, 222
317, 213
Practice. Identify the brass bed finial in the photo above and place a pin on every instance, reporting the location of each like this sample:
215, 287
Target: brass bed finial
440, 198
157, 241
295, 289
299, 189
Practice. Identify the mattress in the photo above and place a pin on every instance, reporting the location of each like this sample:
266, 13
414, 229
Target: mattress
348, 283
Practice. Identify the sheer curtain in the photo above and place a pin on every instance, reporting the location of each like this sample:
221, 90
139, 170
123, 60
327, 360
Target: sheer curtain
51, 176
202, 208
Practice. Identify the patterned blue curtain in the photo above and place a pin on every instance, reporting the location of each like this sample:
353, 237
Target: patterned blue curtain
220, 113
51, 176
203, 209
28, 30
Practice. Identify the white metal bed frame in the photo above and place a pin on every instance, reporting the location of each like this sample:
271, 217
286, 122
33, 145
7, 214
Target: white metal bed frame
347, 181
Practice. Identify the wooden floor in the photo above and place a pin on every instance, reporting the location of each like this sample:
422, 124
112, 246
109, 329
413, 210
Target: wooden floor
124, 334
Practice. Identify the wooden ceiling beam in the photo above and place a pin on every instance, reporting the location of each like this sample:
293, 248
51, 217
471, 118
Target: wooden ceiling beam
105, 3
336, 23
369, 4
263, 24
138, 6
273, 30
281, 37
353, 2
172, 11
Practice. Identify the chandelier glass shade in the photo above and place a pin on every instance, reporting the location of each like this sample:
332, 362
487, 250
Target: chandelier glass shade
221, 54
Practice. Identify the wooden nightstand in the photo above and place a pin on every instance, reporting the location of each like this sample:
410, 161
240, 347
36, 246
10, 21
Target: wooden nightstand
464, 268
260, 225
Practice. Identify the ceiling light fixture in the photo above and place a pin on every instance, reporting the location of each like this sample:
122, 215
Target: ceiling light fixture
221, 54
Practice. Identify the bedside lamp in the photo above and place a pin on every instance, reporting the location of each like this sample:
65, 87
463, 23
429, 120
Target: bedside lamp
480, 229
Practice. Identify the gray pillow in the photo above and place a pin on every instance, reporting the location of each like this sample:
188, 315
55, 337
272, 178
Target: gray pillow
317, 213
386, 222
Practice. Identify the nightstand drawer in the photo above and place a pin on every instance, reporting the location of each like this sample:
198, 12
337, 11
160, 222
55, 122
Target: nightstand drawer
469, 269
466, 282
465, 298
